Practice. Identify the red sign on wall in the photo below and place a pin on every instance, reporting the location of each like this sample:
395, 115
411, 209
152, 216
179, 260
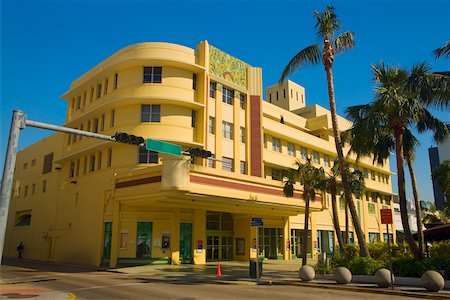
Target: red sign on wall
386, 216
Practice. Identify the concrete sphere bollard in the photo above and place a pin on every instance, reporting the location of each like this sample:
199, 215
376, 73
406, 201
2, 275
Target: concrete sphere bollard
432, 281
342, 275
383, 278
306, 273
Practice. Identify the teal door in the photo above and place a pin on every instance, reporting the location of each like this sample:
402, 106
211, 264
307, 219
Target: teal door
186, 243
107, 240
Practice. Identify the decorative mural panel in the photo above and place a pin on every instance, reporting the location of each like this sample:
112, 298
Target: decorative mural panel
227, 67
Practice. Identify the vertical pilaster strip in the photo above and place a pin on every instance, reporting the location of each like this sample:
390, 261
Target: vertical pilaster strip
218, 124
236, 132
255, 136
175, 236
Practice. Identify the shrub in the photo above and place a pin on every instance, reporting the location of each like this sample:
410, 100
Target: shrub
364, 266
440, 249
408, 267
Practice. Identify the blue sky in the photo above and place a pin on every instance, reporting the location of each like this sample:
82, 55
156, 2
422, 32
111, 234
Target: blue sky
47, 44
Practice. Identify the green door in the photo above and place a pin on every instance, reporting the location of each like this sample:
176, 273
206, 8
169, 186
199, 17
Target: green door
107, 240
186, 243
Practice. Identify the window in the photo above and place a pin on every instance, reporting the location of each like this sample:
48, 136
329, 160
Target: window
109, 161
92, 95
227, 96
227, 164
242, 131
303, 153
227, 130
23, 220
242, 101
276, 144
291, 149
284, 93
147, 156
88, 127
152, 75
365, 173
73, 104
212, 89
33, 162
270, 98
25, 166
302, 98
78, 102
326, 160
106, 86
276, 175
194, 81
99, 161
95, 125
374, 237
85, 165
26, 191
150, 113
113, 118
212, 129
84, 98
243, 167
81, 128
77, 168
292, 93
194, 119
99, 90
102, 123
316, 157
387, 179
92, 163
372, 175
277, 95
72, 169
44, 186
116, 81
265, 142
211, 163
48, 163
371, 208
296, 94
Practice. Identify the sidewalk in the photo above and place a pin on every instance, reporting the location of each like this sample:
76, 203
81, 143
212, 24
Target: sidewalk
274, 273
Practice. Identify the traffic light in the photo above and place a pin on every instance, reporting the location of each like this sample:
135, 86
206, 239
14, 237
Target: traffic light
126, 138
197, 152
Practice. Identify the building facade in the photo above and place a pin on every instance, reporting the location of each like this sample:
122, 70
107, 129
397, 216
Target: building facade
437, 156
78, 199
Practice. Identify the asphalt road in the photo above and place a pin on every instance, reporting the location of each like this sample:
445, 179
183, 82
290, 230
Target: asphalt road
106, 285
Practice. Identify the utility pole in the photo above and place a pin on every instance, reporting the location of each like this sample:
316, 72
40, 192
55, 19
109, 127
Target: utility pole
17, 124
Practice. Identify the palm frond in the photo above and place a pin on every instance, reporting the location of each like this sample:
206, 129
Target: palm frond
309, 55
428, 122
327, 22
344, 42
442, 51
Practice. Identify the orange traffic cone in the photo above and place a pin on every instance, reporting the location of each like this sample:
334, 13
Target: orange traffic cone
219, 273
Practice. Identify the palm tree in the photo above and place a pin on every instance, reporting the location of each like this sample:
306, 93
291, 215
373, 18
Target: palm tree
326, 26
433, 215
401, 101
443, 51
312, 179
442, 176
409, 145
334, 187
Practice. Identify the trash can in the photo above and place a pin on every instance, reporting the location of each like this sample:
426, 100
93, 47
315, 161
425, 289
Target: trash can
252, 269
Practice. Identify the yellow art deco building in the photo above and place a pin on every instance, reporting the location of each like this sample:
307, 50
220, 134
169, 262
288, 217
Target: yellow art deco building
87, 201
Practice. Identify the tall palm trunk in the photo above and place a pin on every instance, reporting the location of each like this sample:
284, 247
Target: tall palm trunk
337, 227
328, 58
306, 229
416, 202
347, 225
398, 133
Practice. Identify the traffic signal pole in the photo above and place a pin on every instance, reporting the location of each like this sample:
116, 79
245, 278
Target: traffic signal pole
19, 122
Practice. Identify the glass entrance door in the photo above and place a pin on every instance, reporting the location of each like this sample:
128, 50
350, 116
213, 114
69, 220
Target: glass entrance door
212, 248
271, 242
186, 243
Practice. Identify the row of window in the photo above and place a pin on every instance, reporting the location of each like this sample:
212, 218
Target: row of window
284, 96
228, 165
47, 166
95, 92
227, 129
227, 95
94, 125
89, 163
30, 189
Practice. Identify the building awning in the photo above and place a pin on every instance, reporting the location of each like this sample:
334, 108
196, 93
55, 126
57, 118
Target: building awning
439, 232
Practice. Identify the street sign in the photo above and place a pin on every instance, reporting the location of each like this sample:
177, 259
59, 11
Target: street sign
257, 222
163, 147
386, 216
